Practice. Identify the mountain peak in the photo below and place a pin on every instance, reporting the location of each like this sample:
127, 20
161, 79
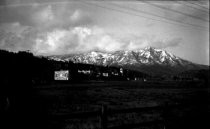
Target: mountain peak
148, 56
149, 48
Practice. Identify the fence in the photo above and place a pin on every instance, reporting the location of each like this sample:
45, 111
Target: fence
104, 113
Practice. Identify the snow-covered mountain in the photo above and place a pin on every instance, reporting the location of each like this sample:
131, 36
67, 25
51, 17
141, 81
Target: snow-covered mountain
147, 56
146, 60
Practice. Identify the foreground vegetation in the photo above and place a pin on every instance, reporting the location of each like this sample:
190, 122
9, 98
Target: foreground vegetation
71, 98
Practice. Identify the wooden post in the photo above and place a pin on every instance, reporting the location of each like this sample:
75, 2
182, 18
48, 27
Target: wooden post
104, 117
165, 115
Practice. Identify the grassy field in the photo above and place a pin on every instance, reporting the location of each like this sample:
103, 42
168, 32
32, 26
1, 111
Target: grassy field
70, 98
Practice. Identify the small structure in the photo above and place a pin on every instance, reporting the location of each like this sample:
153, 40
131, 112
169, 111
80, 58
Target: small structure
121, 71
105, 74
61, 75
84, 71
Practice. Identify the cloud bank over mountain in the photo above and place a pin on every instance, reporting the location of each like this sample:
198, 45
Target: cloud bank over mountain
74, 40
51, 28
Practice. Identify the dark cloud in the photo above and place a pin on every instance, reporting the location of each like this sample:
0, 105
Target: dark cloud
2, 2
46, 16
21, 14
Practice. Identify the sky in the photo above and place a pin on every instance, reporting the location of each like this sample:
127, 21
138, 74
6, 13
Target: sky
55, 27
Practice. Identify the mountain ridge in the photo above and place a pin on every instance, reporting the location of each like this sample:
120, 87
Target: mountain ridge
149, 60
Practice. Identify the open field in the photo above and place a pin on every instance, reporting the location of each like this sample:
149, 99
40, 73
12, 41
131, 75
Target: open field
71, 98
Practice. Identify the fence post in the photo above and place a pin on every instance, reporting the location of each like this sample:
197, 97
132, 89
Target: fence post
165, 115
104, 117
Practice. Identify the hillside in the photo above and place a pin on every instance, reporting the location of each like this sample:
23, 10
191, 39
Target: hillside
149, 60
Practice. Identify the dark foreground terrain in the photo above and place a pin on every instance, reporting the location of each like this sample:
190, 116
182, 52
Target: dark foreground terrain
51, 104
71, 98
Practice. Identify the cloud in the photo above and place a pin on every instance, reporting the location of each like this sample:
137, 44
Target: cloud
166, 43
61, 27
181, 12
76, 15
144, 40
75, 40
83, 39
47, 16
2, 2
43, 16
16, 37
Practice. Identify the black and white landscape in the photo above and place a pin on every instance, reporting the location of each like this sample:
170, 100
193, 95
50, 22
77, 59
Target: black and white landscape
148, 60
96, 64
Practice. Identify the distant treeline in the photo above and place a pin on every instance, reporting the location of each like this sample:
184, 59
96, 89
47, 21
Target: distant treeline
202, 74
24, 67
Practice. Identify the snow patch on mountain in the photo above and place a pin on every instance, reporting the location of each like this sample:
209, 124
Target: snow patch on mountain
147, 56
